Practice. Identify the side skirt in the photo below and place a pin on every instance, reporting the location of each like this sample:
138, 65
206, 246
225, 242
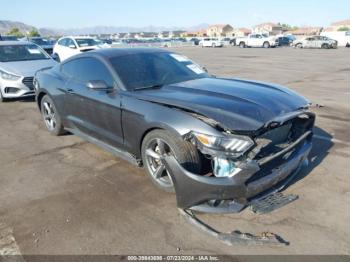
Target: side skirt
114, 150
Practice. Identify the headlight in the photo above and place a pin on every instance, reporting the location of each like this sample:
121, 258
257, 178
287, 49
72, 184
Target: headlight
234, 145
7, 76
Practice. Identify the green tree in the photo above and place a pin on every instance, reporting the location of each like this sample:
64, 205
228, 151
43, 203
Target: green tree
15, 31
288, 27
33, 33
344, 28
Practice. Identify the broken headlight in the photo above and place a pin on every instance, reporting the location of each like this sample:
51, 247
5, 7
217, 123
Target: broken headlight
234, 145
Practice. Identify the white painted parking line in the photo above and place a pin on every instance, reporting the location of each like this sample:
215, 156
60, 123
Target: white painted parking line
8, 245
333, 140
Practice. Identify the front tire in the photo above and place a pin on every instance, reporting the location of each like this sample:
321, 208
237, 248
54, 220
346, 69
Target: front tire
325, 46
266, 45
56, 57
2, 99
242, 45
160, 142
51, 117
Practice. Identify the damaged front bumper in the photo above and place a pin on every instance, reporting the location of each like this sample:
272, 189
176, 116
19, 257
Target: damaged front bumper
256, 177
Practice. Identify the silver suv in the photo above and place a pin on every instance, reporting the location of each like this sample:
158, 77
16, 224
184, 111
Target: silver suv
19, 61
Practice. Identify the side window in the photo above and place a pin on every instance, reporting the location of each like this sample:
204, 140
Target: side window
70, 42
63, 42
88, 69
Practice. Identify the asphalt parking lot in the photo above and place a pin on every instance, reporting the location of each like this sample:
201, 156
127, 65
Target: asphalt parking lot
61, 195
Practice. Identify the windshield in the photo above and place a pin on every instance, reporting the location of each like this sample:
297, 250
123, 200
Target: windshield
41, 41
12, 53
84, 42
144, 70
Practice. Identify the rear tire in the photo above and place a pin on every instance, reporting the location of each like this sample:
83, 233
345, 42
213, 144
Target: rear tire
299, 46
160, 142
266, 45
242, 45
56, 57
51, 117
2, 99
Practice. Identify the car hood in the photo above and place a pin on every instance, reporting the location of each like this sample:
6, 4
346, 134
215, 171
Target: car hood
26, 68
237, 105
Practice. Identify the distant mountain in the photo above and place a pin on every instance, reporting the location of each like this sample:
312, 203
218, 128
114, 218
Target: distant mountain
6, 26
113, 30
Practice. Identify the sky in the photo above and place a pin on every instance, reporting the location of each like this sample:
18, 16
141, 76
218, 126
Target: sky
66, 14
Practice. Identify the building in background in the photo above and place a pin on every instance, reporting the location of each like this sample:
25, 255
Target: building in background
242, 32
339, 25
220, 31
305, 31
268, 28
199, 33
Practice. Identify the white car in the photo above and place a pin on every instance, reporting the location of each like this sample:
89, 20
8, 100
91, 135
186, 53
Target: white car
316, 41
211, 42
19, 61
71, 45
256, 40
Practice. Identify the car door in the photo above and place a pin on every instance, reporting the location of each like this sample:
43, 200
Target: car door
310, 42
254, 40
70, 49
318, 41
96, 113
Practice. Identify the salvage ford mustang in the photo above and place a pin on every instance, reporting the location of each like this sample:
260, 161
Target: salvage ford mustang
217, 143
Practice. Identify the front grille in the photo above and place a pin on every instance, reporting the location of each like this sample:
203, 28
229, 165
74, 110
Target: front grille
28, 81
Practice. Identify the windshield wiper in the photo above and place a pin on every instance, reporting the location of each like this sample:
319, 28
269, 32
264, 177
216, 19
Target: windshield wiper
149, 87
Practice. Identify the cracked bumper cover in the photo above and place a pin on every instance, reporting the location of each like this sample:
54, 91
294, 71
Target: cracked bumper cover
193, 191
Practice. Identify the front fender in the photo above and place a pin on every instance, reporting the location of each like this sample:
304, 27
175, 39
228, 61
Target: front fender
140, 116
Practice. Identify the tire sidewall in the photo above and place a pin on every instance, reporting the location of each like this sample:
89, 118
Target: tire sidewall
2, 99
58, 130
174, 142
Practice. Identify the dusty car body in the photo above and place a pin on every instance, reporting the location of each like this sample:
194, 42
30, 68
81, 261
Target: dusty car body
317, 41
242, 137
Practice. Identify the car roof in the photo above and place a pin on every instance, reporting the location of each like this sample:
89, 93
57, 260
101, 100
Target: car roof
115, 52
15, 43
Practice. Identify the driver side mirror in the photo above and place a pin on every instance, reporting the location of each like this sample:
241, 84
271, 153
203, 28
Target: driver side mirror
72, 46
98, 85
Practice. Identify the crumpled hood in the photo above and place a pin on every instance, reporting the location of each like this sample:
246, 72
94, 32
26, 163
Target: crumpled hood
26, 68
235, 104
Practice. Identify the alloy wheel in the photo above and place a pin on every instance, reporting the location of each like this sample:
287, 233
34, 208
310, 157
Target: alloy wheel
49, 115
155, 149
